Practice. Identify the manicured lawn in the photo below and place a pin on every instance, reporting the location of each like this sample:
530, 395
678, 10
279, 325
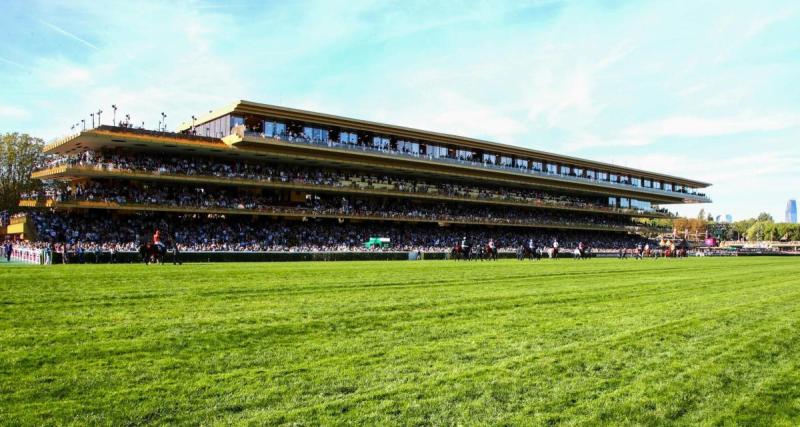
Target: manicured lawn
693, 341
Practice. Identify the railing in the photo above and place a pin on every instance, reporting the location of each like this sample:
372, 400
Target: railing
338, 214
352, 188
238, 131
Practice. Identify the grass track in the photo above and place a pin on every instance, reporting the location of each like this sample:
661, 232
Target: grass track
687, 342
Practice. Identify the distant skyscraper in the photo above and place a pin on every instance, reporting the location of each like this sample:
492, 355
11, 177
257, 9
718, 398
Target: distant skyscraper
791, 211
728, 218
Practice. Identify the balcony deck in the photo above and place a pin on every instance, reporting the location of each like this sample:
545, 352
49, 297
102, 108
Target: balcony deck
343, 187
296, 213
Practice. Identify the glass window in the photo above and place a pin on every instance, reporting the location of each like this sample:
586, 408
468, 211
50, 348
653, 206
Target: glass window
602, 176
464, 154
408, 147
578, 171
436, 152
506, 161
648, 183
657, 185
521, 163
489, 158
346, 137
236, 121
380, 142
551, 168
624, 202
667, 186
564, 170
612, 201
612, 177
591, 174
641, 205
273, 129
537, 166
636, 182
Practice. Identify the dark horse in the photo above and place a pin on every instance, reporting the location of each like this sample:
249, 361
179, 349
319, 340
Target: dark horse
461, 252
528, 252
152, 253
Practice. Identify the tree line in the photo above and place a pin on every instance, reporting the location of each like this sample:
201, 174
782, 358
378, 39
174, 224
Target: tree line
20, 154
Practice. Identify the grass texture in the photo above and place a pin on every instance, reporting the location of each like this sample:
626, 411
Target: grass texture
598, 342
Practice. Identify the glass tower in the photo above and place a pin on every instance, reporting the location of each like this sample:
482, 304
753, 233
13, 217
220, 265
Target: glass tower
791, 211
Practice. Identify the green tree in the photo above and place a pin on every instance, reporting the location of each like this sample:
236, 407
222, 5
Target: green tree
19, 155
765, 217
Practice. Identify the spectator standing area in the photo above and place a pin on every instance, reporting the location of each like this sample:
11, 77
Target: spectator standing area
256, 177
699, 341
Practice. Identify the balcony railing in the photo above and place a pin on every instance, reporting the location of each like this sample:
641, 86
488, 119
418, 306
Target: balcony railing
280, 211
340, 186
242, 133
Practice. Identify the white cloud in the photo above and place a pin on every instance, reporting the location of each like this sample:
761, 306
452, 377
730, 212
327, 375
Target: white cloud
10, 112
697, 127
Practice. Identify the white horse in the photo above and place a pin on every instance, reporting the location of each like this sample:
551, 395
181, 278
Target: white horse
552, 253
576, 254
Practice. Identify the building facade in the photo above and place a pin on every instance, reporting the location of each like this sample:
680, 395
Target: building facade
264, 177
791, 211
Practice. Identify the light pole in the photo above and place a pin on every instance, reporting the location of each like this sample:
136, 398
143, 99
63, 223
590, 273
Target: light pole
164, 119
99, 112
72, 128
114, 118
84, 123
194, 119
92, 114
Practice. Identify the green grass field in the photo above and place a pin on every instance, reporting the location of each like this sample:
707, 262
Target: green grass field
693, 341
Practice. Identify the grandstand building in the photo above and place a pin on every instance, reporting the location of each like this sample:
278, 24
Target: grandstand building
261, 177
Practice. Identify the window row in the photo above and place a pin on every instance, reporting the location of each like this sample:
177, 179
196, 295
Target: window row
285, 130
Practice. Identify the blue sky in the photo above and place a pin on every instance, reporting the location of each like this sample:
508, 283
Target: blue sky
703, 89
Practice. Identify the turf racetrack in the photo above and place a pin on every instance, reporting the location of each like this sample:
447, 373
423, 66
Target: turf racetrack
709, 341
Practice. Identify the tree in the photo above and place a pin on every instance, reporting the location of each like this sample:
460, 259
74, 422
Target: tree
19, 155
765, 217
702, 214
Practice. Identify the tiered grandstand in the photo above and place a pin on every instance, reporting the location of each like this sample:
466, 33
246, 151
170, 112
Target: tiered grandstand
256, 177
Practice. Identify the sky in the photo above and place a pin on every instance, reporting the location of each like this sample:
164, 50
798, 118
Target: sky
708, 90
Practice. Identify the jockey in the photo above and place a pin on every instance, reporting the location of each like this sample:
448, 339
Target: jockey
530, 244
491, 244
157, 238
555, 244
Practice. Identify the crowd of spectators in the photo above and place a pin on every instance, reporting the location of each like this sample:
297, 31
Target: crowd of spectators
218, 168
99, 231
195, 197
385, 146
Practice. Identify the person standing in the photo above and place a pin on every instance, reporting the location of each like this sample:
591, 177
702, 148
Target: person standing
8, 247
176, 253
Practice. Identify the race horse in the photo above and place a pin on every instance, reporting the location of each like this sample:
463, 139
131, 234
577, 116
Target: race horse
529, 252
461, 252
552, 253
490, 252
152, 253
